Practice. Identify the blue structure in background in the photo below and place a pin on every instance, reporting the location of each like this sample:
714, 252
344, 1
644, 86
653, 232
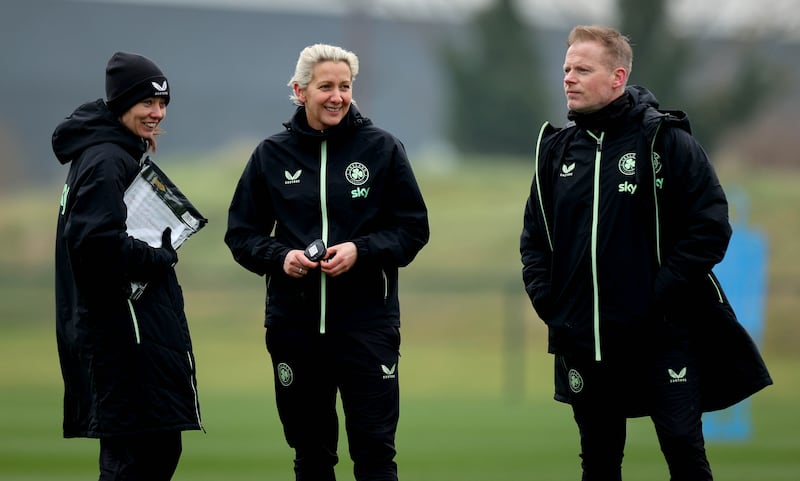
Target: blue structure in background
743, 274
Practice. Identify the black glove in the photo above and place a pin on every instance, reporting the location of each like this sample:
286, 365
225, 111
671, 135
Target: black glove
167, 252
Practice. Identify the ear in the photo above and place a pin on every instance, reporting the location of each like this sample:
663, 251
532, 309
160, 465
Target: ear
620, 77
299, 93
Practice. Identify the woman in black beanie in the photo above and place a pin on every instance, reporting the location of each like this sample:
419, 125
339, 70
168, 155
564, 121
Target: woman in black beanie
130, 79
128, 366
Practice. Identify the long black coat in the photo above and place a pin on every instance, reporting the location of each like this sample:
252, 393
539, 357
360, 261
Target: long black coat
128, 366
619, 252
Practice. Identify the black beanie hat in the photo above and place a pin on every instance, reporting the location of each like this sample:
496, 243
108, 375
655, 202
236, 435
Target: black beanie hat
131, 78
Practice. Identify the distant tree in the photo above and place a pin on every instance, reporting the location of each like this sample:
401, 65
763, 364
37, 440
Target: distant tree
665, 64
493, 84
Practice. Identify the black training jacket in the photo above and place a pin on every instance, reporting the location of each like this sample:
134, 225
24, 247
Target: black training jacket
352, 182
128, 366
621, 231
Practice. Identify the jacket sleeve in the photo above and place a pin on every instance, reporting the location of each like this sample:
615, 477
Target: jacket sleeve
535, 242
536, 254
103, 254
696, 230
405, 217
251, 219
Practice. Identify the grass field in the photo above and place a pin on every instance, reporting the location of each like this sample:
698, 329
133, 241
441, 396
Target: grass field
476, 382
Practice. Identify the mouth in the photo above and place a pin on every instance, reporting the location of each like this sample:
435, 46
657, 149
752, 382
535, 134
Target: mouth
334, 110
151, 125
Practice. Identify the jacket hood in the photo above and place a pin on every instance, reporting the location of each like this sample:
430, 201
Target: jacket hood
643, 99
351, 121
90, 124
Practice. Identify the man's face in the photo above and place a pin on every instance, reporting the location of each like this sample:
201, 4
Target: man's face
589, 82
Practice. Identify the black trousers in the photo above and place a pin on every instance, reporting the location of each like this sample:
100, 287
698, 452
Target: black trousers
152, 457
665, 385
362, 367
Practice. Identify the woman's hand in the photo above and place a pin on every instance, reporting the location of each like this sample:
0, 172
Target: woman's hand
339, 259
297, 265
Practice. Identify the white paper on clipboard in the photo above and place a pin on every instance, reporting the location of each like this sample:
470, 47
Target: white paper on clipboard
154, 203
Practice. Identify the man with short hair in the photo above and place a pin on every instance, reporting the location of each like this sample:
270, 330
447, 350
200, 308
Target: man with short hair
625, 220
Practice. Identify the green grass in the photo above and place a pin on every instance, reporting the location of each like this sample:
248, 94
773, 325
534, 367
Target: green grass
476, 381
457, 421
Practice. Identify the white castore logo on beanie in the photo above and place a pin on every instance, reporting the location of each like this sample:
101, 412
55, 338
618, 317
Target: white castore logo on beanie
131, 78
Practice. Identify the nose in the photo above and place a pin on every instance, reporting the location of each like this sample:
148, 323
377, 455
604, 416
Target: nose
158, 111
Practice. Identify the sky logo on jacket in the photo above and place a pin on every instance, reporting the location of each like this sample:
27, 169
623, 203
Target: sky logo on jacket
362, 192
657, 170
357, 174
627, 166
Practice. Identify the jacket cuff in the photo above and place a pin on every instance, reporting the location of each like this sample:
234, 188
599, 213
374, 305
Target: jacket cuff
362, 247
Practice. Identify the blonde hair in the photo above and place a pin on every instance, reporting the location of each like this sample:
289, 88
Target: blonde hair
617, 45
313, 55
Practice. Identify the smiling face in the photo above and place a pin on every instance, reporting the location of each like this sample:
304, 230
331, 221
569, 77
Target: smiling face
590, 83
144, 117
327, 97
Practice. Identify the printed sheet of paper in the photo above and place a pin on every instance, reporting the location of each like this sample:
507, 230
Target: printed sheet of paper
155, 203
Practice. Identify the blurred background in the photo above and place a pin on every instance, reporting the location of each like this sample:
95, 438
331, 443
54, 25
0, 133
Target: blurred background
465, 84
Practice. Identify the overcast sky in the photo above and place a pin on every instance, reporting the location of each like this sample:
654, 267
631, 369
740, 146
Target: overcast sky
712, 17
